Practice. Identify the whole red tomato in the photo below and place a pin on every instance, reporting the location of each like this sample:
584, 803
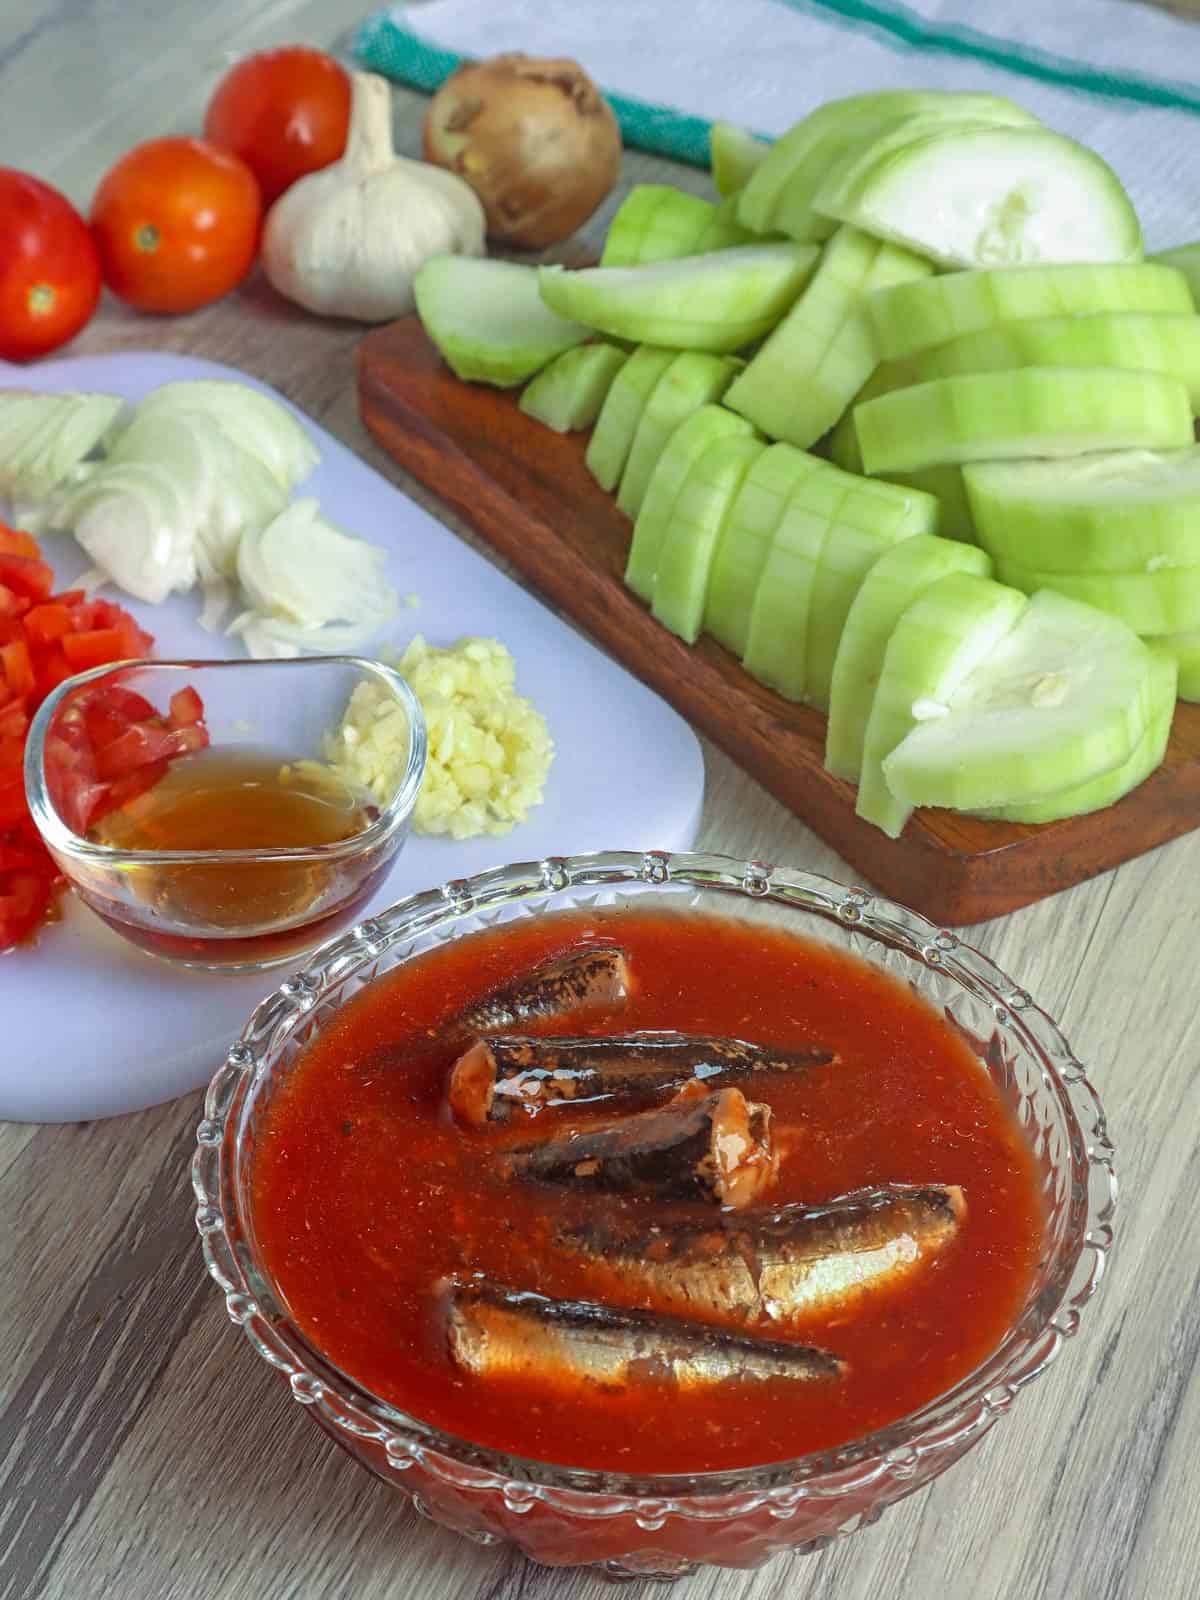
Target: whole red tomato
284, 112
49, 269
176, 222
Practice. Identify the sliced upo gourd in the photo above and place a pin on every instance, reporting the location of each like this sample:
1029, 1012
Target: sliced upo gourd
816, 361
1005, 197
1077, 799
891, 585
1115, 512
746, 539
1037, 411
873, 517
719, 302
694, 379
616, 426
1062, 698
691, 440
568, 394
489, 320
690, 540
1138, 341
780, 615
938, 640
913, 316
1165, 599
736, 155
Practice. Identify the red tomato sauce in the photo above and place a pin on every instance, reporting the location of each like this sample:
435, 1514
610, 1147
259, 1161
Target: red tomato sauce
366, 1193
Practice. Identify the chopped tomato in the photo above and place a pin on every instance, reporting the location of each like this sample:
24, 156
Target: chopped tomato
26, 576
14, 542
44, 640
45, 623
187, 708
18, 668
96, 648
124, 703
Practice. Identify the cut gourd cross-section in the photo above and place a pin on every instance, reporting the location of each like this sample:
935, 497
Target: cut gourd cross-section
780, 616
1184, 258
1138, 341
872, 517
694, 379
1119, 512
616, 426
656, 223
691, 440
1038, 411
489, 320
1005, 197
782, 188
939, 639
568, 394
818, 358
736, 156
1065, 696
746, 541
1077, 799
690, 540
719, 301
1184, 650
891, 585
1163, 600
912, 316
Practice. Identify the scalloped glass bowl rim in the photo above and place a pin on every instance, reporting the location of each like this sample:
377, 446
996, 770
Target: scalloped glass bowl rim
60, 837
968, 1408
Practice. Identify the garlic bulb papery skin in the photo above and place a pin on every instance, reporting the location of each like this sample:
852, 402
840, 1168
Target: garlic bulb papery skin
347, 241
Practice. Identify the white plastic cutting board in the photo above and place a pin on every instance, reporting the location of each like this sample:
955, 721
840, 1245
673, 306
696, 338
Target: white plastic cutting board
90, 1027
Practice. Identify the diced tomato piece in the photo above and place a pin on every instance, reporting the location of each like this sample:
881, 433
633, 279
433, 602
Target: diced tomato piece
13, 808
187, 708
14, 721
18, 668
135, 641
140, 744
96, 648
123, 702
13, 542
51, 668
102, 722
45, 623
69, 597
24, 901
112, 796
26, 575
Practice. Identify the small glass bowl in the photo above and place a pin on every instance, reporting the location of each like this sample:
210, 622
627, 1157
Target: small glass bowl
157, 898
666, 1526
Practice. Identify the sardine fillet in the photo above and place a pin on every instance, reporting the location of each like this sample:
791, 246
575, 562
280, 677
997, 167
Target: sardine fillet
583, 980
777, 1266
715, 1147
497, 1076
497, 1332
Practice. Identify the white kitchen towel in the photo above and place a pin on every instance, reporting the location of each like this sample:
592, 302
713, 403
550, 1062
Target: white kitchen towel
1118, 75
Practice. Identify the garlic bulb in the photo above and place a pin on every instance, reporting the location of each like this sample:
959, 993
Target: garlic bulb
348, 240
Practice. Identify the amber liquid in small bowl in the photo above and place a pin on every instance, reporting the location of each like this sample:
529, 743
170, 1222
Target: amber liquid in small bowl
243, 799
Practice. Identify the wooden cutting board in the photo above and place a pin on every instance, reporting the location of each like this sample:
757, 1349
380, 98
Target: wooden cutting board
527, 491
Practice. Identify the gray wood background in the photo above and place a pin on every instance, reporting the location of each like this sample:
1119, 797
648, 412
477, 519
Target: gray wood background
145, 1454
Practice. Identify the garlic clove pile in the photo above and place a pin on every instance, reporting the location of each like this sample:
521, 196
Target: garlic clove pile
347, 241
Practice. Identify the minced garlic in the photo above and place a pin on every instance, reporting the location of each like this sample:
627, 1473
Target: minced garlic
489, 748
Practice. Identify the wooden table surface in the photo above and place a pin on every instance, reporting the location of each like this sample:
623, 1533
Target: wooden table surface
146, 1454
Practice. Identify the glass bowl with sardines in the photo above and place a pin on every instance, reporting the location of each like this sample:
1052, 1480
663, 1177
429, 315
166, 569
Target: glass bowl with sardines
671, 1210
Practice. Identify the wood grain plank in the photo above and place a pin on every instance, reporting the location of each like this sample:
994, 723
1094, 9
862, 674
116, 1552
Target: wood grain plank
529, 492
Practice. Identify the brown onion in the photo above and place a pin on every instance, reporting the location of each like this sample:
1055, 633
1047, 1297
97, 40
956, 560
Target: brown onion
536, 140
